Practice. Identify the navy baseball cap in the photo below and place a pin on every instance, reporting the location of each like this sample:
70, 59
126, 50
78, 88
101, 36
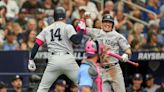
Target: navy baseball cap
2, 85
61, 82
137, 76
17, 77
149, 77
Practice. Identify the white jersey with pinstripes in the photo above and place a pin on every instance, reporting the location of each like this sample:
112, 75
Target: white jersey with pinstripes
112, 39
57, 37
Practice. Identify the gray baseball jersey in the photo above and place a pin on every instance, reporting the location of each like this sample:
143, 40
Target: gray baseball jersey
112, 39
57, 37
60, 62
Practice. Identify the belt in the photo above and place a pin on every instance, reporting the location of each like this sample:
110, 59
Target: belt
107, 66
59, 53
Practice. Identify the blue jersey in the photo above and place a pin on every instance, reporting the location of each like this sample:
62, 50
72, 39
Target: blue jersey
83, 76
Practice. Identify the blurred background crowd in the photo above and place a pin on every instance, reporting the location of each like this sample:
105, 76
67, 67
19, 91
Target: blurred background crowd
140, 21
22, 20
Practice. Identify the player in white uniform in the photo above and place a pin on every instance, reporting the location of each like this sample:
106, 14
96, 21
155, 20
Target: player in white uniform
112, 39
59, 37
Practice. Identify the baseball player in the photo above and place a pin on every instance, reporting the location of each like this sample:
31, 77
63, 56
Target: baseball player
115, 41
89, 73
59, 37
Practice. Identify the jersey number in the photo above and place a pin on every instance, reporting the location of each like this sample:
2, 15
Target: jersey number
56, 34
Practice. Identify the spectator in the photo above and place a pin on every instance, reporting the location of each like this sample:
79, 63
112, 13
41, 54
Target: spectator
153, 5
152, 43
91, 7
154, 27
161, 24
79, 13
135, 45
136, 34
22, 18
109, 7
75, 22
74, 88
161, 89
136, 13
60, 86
31, 26
151, 86
47, 8
136, 86
31, 6
12, 9
17, 29
20, 2
10, 43
3, 87
28, 45
68, 6
3, 20
17, 83
122, 24
97, 24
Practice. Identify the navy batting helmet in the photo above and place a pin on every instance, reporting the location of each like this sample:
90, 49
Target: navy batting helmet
107, 17
59, 13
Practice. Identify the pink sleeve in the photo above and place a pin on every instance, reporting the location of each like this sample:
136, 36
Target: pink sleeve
39, 42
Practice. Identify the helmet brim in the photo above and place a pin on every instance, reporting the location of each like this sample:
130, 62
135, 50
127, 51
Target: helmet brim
90, 55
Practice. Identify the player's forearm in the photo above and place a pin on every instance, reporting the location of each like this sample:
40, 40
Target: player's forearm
34, 50
76, 39
37, 44
128, 51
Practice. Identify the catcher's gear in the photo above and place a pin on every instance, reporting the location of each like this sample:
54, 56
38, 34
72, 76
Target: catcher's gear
109, 18
91, 48
31, 65
92, 70
59, 13
125, 57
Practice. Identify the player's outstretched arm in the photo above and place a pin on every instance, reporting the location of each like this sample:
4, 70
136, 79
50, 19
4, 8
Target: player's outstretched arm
31, 63
76, 38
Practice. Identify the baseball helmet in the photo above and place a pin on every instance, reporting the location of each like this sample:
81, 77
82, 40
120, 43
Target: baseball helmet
91, 48
59, 13
108, 17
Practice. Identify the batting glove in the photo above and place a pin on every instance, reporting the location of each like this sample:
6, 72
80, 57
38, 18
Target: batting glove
125, 57
31, 65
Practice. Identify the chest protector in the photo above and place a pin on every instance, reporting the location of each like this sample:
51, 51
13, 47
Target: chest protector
94, 72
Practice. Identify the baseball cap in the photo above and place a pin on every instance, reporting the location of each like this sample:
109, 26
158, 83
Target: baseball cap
137, 76
17, 77
149, 76
2, 85
107, 17
82, 8
61, 82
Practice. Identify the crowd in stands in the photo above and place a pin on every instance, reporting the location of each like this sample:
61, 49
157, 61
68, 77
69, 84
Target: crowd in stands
22, 20
137, 85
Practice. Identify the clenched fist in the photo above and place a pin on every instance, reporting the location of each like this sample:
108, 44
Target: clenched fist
31, 65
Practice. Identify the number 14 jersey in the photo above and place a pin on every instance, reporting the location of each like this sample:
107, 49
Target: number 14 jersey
57, 37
